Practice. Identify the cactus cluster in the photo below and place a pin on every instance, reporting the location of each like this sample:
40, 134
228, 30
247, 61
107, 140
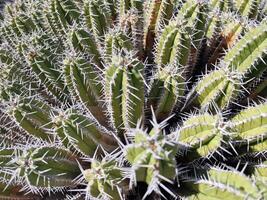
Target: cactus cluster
133, 99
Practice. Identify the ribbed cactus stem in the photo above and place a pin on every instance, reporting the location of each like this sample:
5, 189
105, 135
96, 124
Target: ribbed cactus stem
133, 99
218, 184
173, 47
158, 12
86, 84
201, 134
83, 134
125, 92
248, 50
84, 43
34, 117
95, 18
151, 157
217, 89
104, 179
250, 125
165, 93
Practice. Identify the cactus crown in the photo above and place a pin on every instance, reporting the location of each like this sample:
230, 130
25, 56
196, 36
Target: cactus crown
133, 99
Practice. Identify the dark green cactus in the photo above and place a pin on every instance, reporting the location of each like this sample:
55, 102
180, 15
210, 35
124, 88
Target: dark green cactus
133, 99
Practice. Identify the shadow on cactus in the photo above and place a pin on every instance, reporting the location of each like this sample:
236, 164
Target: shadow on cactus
132, 99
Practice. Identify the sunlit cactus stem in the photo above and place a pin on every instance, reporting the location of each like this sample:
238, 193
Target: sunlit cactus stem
133, 99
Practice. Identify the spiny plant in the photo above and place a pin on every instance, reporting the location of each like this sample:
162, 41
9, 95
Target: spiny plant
132, 99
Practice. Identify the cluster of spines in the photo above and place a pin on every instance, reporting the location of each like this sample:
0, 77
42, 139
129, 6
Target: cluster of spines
220, 183
152, 158
124, 84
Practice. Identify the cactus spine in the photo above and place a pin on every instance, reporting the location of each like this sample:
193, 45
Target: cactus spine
133, 99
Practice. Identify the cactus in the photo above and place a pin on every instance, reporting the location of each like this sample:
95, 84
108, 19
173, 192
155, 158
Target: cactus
133, 99
203, 135
151, 156
220, 183
104, 179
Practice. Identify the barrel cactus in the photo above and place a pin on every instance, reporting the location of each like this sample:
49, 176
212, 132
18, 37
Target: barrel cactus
133, 99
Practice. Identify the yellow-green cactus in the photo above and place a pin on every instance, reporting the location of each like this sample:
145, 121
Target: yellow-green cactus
133, 99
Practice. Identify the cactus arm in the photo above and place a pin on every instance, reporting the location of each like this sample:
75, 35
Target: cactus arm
249, 8
43, 79
133, 95
84, 41
114, 95
85, 135
164, 44
210, 89
44, 167
170, 97
220, 184
173, 47
112, 7
59, 19
25, 23
126, 101
149, 34
124, 6
87, 87
164, 14
259, 69
198, 125
104, 179
199, 29
169, 48
53, 168
154, 93
115, 42
49, 71
187, 10
200, 134
165, 92
137, 27
231, 91
59, 131
27, 122
50, 22
98, 22
211, 147
15, 28
67, 12
250, 124
159, 12
231, 31
67, 75
76, 138
86, 15
261, 171
83, 90
249, 49
151, 157
261, 146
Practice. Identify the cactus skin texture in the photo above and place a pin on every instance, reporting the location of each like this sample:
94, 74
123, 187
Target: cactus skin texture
133, 99
151, 156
